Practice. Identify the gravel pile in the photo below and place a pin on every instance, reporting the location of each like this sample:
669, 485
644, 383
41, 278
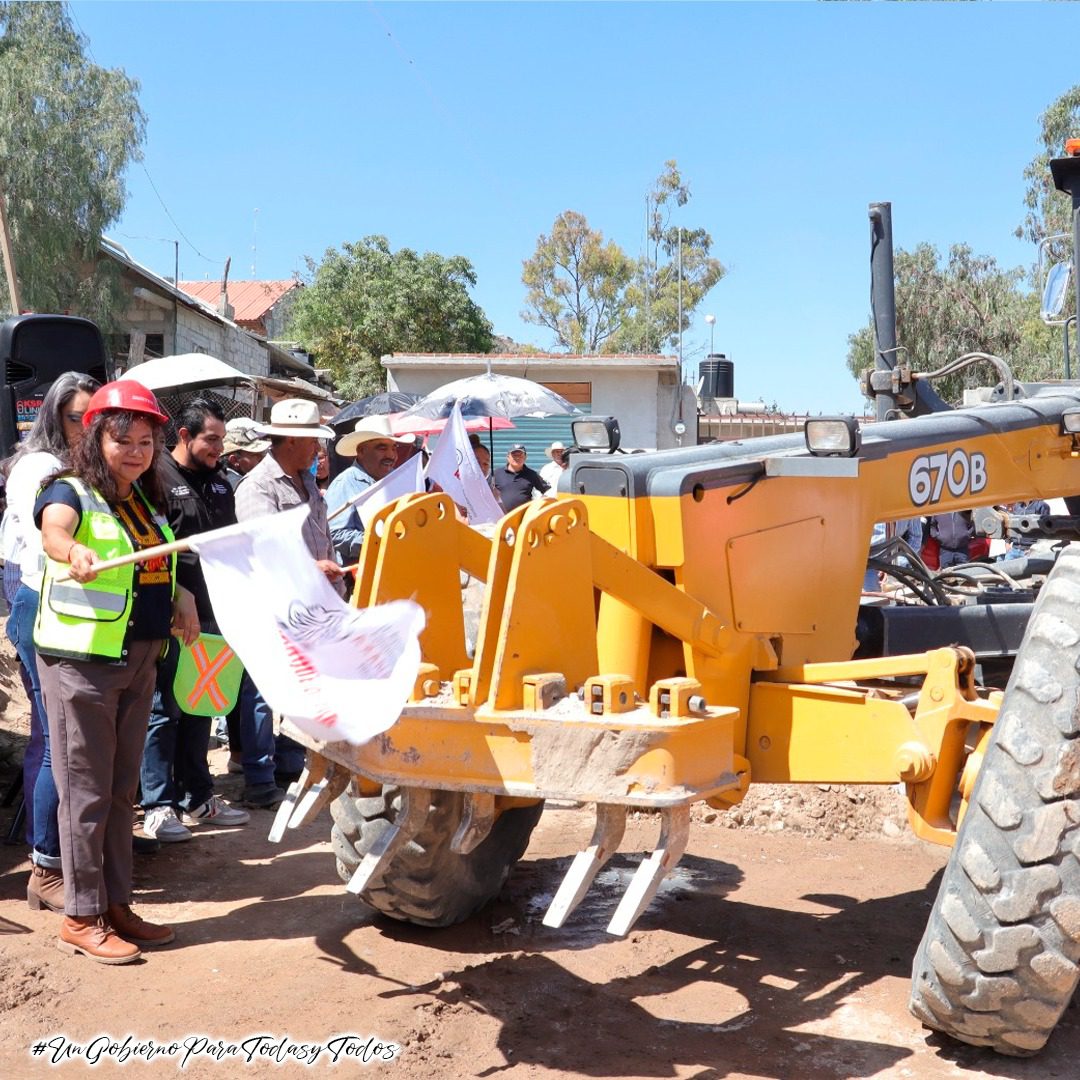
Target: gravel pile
818, 810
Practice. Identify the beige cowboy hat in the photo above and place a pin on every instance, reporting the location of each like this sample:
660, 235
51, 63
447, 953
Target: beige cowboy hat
554, 446
369, 428
240, 434
297, 417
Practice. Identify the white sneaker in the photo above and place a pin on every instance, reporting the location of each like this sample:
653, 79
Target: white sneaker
162, 824
216, 811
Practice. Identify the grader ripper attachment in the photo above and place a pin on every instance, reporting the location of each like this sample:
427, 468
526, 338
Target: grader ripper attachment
674, 626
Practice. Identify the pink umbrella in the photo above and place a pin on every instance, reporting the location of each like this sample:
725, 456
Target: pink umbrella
418, 425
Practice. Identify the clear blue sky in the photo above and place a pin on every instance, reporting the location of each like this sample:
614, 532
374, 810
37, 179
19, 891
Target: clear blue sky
466, 128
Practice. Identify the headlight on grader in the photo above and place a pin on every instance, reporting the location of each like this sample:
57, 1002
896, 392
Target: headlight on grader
833, 436
1070, 422
599, 433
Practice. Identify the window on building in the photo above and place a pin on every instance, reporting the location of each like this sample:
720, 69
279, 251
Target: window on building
119, 346
577, 393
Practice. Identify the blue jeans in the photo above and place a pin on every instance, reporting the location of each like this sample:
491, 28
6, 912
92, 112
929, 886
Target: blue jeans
39, 787
949, 557
256, 735
175, 771
261, 753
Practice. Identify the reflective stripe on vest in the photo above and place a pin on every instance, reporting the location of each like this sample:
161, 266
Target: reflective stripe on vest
91, 621
84, 602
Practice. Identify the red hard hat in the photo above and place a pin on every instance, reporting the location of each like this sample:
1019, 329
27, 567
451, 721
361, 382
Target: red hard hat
124, 394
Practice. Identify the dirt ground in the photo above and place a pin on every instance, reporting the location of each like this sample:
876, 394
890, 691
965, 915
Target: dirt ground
780, 948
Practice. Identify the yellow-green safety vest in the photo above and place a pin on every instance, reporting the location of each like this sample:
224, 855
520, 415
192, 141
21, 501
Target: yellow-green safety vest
91, 621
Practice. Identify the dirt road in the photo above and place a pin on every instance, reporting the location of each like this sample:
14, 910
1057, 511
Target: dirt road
768, 954
781, 948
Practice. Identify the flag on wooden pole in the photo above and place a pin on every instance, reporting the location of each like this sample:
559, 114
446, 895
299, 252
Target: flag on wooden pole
335, 671
453, 466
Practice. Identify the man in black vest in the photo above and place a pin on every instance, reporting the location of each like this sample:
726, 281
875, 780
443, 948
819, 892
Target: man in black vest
175, 772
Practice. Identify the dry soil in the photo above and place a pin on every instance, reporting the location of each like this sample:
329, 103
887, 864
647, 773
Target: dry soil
781, 947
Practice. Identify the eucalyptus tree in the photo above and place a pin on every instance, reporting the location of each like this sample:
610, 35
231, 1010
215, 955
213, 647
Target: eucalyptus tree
68, 130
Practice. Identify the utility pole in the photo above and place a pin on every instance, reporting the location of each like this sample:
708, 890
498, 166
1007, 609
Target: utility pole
680, 308
647, 335
176, 297
9, 259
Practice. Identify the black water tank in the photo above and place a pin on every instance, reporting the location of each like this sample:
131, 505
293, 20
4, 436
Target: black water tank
717, 375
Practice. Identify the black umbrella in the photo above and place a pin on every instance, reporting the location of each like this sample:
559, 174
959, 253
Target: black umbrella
390, 401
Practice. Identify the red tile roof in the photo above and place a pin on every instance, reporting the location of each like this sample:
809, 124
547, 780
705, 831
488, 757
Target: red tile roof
251, 300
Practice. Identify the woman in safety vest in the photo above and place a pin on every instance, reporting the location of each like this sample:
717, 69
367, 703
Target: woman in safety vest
98, 635
41, 454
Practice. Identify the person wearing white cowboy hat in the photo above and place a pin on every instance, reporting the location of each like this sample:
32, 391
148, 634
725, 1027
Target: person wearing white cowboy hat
373, 447
560, 461
283, 478
281, 481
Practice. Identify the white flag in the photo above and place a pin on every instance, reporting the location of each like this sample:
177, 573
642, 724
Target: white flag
336, 671
453, 466
404, 480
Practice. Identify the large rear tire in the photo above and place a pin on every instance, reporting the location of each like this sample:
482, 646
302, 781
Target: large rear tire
427, 883
998, 961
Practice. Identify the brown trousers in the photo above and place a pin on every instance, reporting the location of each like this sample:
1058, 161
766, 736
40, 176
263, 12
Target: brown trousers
98, 714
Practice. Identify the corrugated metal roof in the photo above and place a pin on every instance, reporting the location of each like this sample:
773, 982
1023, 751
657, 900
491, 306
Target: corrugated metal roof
251, 300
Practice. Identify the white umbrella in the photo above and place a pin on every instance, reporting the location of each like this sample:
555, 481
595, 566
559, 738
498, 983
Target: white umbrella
491, 395
188, 371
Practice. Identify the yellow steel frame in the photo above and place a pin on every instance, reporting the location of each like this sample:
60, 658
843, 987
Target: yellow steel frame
724, 608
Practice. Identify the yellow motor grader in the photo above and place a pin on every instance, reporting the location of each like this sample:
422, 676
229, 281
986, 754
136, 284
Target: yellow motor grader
674, 626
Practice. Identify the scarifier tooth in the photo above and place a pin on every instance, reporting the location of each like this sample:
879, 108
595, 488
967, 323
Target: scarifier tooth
318, 796
314, 769
415, 806
610, 826
476, 821
674, 834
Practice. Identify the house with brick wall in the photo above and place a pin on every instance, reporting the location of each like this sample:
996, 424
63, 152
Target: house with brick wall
160, 319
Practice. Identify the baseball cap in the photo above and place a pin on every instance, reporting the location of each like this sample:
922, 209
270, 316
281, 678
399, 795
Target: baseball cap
240, 434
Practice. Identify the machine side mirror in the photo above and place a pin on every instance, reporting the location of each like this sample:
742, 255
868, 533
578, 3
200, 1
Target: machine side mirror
1055, 292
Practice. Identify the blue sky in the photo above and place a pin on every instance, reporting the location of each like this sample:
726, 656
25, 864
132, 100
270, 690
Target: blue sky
466, 128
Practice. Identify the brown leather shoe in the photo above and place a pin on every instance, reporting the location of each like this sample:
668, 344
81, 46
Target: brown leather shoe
45, 889
92, 936
137, 930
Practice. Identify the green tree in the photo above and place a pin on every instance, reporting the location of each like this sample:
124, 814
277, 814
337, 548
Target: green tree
1049, 211
68, 130
966, 305
652, 322
595, 298
365, 301
577, 284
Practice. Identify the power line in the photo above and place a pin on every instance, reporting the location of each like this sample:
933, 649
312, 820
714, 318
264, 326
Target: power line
183, 235
451, 117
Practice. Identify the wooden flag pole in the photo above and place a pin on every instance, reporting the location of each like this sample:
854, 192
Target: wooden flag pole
135, 557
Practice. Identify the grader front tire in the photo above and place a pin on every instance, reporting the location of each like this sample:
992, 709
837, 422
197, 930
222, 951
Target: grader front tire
427, 883
998, 961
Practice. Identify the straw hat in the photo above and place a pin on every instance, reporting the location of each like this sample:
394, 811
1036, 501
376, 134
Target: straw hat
554, 446
369, 428
297, 417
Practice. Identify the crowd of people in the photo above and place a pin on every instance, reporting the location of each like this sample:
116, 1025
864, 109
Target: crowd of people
951, 538
102, 647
